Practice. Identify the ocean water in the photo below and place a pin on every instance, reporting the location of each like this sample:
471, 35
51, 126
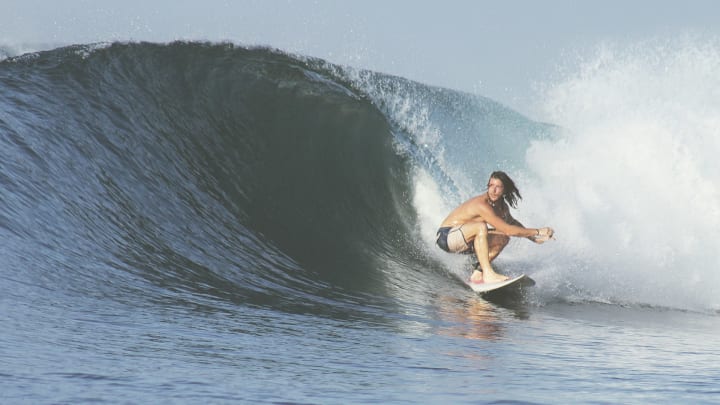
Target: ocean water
193, 222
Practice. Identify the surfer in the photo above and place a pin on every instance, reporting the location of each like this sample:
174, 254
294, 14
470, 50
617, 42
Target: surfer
483, 225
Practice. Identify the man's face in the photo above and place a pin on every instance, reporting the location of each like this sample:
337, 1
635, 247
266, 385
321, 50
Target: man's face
495, 189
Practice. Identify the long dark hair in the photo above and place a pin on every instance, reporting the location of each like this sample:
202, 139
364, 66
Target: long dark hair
511, 194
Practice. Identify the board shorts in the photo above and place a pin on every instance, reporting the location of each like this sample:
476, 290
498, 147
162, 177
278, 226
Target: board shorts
452, 240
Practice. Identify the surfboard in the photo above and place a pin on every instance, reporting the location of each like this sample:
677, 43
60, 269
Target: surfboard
487, 287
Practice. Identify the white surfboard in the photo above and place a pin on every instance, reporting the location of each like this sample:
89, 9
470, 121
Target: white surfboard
487, 287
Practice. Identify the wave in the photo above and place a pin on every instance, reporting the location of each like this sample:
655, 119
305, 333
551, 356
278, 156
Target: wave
188, 170
209, 168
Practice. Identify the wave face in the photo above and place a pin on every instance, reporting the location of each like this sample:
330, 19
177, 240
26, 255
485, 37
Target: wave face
196, 167
187, 170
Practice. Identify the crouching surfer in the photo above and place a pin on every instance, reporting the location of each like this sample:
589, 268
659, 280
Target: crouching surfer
483, 225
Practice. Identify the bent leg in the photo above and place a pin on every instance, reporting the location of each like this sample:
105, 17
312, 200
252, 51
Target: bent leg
482, 249
478, 233
496, 243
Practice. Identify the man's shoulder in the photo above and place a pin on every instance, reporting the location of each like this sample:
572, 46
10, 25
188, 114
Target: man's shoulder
480, 202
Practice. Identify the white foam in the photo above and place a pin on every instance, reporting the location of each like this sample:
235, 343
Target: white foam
633, 188
432, 207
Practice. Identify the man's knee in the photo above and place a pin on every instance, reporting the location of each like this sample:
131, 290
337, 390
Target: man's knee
481, 229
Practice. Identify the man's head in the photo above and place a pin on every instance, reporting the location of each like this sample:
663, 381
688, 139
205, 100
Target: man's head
500, 185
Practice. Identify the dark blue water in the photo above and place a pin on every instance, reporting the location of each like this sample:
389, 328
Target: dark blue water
199, 222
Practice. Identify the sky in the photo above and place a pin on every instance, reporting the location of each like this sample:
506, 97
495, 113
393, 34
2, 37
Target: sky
498, 49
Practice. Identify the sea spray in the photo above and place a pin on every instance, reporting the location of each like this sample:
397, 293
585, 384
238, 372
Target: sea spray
633, 185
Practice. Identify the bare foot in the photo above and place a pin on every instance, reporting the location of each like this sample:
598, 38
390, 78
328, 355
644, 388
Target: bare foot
476, 277
492, 277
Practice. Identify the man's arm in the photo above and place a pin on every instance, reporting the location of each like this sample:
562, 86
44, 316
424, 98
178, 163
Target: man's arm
510, 229
513, 221
542, 236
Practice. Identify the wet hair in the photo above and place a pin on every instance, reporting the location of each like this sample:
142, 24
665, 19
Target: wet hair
511, 193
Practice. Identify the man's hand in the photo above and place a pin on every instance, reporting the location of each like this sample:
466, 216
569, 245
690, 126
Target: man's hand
544, 235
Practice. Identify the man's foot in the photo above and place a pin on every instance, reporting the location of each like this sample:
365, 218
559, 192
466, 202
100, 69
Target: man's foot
492, 277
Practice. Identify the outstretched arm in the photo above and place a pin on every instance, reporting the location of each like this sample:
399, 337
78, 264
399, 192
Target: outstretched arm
541, 235
513, 221
511, 228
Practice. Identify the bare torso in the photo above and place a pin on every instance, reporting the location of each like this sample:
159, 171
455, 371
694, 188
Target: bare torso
472, 211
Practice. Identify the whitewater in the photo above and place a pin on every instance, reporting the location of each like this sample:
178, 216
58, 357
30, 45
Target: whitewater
189, 222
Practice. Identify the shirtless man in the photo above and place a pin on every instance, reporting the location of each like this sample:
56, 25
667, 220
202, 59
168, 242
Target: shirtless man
483, 225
